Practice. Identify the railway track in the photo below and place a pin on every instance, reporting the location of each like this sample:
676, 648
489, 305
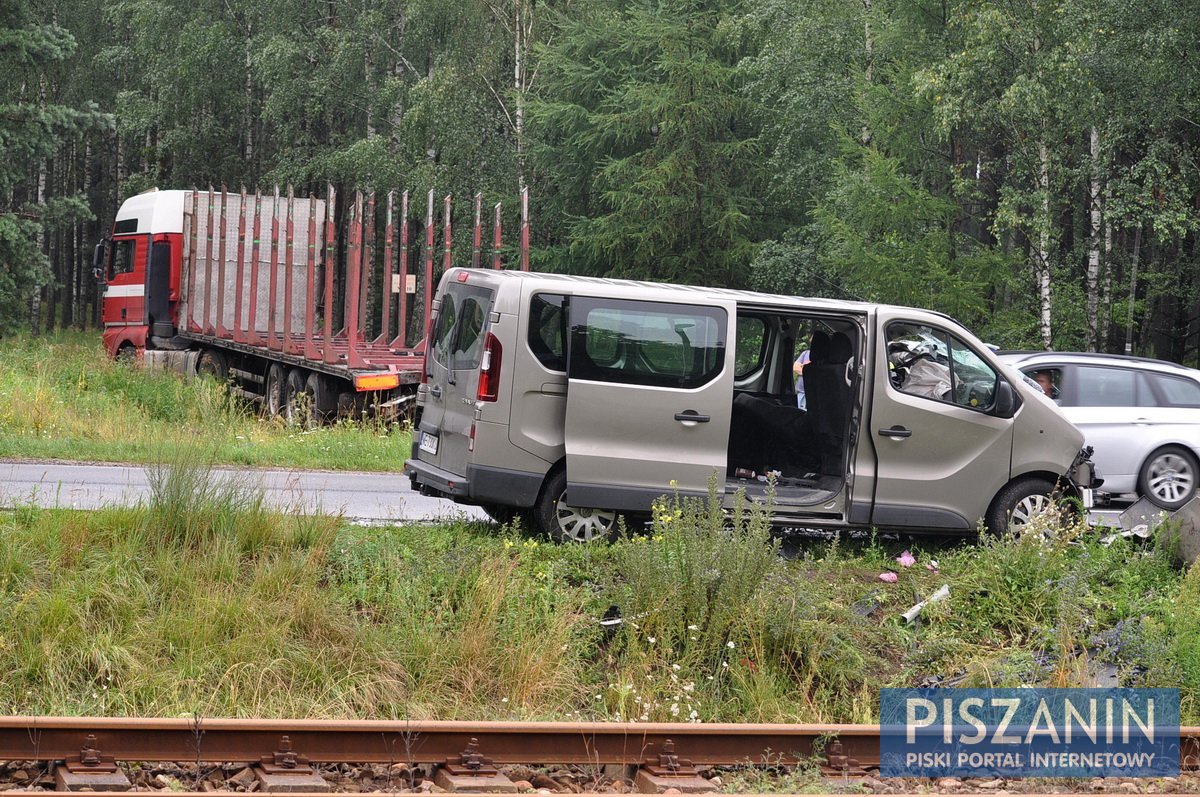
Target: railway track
294, 756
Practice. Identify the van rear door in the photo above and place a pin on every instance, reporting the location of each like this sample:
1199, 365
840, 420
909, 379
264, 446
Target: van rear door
453, 365
650, 390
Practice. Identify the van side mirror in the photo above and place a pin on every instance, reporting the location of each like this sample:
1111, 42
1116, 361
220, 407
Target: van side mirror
98, 261
1006, 403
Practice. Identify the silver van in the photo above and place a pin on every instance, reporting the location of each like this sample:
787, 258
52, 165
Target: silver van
570, 400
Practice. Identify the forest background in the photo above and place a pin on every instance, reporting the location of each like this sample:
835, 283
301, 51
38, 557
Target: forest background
1028, 166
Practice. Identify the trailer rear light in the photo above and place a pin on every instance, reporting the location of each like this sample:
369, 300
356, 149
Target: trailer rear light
376, 382
489, 369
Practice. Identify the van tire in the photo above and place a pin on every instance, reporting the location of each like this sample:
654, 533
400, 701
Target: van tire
565, 523
1168, 477
1017, 503
504, 515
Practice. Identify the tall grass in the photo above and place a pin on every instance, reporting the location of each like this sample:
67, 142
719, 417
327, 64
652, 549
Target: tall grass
204, 601
61, 397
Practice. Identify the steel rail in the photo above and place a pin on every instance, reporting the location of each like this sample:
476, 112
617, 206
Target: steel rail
323, 741
835, 747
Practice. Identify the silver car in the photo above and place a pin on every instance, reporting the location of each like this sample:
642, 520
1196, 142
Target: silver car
1142, 416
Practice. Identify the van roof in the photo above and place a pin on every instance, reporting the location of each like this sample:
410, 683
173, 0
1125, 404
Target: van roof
741, 296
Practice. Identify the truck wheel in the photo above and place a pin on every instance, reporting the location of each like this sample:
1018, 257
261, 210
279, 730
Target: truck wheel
212, 363
275, 390
565, 523
296, 404
1019, 503
322, 397
1168, 477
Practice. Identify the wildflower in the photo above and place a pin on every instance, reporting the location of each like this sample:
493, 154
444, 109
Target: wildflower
730, 645
651, 639
693, 627
675, 667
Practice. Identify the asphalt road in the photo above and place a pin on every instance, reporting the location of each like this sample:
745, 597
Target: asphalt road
366, 497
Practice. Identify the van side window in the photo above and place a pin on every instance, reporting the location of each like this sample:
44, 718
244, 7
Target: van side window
548, 330
928, 362
751, 345
646, 343
446, 318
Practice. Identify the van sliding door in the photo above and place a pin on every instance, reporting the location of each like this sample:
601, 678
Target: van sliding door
650, 388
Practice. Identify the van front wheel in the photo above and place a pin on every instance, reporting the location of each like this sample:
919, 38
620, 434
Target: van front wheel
1019, 503
567, 523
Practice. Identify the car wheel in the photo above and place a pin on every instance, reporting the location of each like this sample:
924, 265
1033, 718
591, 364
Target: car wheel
1019, 503
503, 515
566, 523
1168, 477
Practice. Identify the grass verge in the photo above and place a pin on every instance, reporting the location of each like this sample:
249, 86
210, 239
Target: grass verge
62, 398
205, 602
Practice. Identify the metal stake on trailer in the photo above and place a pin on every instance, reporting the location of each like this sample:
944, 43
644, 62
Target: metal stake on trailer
477, 239
286, 344
255, 252
330, 356
239, 335
428, 287
272, 343
389, 274
496, 241
193, 253
401, 340
368, 265
205, 327
220, 319
310, 286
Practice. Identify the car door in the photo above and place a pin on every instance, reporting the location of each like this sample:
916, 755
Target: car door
1110, 405
649, 394
941, 454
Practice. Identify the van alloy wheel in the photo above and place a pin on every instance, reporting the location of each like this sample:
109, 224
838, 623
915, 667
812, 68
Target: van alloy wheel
1029, 508
1168, 478
1019, 503
583, 524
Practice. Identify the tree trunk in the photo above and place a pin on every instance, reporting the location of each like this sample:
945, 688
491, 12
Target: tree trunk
869, 71
520, 45
1137, 253
1042, 256
1093, 266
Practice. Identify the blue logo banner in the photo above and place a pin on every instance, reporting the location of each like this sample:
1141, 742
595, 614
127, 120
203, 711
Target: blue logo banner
1033, 732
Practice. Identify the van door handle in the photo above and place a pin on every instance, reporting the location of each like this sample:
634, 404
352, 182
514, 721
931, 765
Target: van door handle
436, 391
691, 416
896, 431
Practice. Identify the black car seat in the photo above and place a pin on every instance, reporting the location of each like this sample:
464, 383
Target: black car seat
827, 388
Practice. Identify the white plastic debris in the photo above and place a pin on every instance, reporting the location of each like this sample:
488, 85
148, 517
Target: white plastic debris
941, 595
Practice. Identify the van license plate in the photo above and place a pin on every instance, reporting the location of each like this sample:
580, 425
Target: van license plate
429, 443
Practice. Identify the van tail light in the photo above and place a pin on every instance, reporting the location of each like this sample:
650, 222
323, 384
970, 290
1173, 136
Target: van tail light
471, 439
489, 369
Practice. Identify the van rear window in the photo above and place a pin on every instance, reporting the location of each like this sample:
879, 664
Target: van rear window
646, 343
548, 329
461, 321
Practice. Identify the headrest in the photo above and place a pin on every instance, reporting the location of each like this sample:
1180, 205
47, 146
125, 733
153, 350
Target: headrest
840, 349
818, 347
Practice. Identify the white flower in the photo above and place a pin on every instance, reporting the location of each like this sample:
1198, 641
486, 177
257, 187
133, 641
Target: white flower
730, 645
693, 627
504, 700
675, 667
651, 639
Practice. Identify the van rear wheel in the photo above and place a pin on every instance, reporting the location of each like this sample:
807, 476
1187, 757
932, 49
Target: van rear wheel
567, 523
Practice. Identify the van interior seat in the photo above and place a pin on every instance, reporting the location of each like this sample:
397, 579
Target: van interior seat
827, 391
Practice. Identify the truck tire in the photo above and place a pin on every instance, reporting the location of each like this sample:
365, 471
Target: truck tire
275, 390
565, 523
212, 363
296, 403
1018, 503
322, 396
1168, 477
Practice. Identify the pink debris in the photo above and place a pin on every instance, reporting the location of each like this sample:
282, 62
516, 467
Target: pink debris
889, 577
906, 559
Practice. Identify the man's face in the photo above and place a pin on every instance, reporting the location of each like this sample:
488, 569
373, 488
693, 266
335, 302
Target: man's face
1046, 382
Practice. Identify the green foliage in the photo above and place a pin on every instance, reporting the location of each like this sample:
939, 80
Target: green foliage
643, 123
